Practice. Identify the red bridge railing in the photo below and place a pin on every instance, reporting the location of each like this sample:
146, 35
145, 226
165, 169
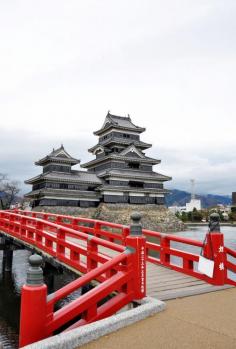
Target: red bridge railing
121, 272
105, 252
159, 249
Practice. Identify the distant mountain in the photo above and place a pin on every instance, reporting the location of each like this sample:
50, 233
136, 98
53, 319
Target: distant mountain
180, 198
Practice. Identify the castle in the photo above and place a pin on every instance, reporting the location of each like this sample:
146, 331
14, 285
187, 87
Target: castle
119, 173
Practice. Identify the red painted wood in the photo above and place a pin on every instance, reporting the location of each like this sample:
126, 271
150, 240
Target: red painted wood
125, 273
33, 314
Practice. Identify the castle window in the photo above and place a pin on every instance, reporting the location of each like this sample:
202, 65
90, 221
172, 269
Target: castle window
134, 184
134, 165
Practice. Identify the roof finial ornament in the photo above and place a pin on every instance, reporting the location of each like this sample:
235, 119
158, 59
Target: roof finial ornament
129, 117
62, 146
108, 112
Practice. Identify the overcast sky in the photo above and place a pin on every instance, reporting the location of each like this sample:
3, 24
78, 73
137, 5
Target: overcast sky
169, 64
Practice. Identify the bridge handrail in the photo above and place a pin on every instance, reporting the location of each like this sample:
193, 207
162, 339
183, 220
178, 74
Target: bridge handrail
123, 273
230, 265
114, 282
77, 223
67, 230
230, 252
162, 245
85, 279
183, 240
101, 232
45, 216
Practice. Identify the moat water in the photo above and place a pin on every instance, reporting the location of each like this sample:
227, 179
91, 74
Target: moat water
11, 283
10, 287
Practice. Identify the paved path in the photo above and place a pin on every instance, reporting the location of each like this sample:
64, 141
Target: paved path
205, 321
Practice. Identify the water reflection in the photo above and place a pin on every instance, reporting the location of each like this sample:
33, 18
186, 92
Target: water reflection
10, 286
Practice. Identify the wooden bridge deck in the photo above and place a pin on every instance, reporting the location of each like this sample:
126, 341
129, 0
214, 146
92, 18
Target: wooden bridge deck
164, 283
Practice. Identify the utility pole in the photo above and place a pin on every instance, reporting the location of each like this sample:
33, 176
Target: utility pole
192, 189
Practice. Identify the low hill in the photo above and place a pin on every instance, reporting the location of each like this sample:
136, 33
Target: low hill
180, 198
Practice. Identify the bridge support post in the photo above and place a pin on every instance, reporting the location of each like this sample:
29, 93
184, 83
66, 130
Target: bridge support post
7, 260
214, 249
137, 243
7, 257
33, 314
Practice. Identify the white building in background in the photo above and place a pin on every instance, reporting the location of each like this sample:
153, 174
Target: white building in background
194, 203
175, 209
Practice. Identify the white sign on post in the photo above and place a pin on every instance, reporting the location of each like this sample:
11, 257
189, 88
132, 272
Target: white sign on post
206, 266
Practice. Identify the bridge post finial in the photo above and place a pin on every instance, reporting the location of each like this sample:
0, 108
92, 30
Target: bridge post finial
33, 314
214, 222
136, 226
35, 272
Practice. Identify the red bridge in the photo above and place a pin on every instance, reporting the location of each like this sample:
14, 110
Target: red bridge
115, 256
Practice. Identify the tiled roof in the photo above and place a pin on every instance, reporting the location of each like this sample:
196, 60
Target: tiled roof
119, 122
133, 189
59, 155
122, 121
122, 158
134, 174
63, 192
121, 141
74, 176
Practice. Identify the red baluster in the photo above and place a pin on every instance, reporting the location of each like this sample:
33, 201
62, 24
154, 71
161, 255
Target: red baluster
137, 244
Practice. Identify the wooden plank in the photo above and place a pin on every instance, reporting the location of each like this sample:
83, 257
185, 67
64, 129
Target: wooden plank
169, 278
175, 287
164, 283
187, 292
175, 284
191, 288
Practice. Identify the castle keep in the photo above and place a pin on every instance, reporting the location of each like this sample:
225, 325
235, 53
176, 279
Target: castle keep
119, 173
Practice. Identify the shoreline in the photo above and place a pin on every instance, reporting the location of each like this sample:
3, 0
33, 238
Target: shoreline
200, 224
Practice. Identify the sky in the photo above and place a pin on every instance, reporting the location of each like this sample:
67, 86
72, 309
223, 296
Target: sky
169, 64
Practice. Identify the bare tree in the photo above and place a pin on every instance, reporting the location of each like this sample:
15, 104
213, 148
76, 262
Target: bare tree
8, 191
2, 179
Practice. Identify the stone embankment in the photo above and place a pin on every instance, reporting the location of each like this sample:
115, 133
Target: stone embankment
157, 218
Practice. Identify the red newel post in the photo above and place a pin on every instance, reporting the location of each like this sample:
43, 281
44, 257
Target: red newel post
92, 249
137, 242
33, 304
165, 244
214, 249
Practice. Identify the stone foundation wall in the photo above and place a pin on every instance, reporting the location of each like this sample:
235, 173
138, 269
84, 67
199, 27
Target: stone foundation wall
89, 212
157, 218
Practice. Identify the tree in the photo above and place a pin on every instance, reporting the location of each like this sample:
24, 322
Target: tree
8, 191
197, 216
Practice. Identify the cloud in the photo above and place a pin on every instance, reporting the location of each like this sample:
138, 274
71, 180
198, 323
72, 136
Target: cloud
213, 169
171, 65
